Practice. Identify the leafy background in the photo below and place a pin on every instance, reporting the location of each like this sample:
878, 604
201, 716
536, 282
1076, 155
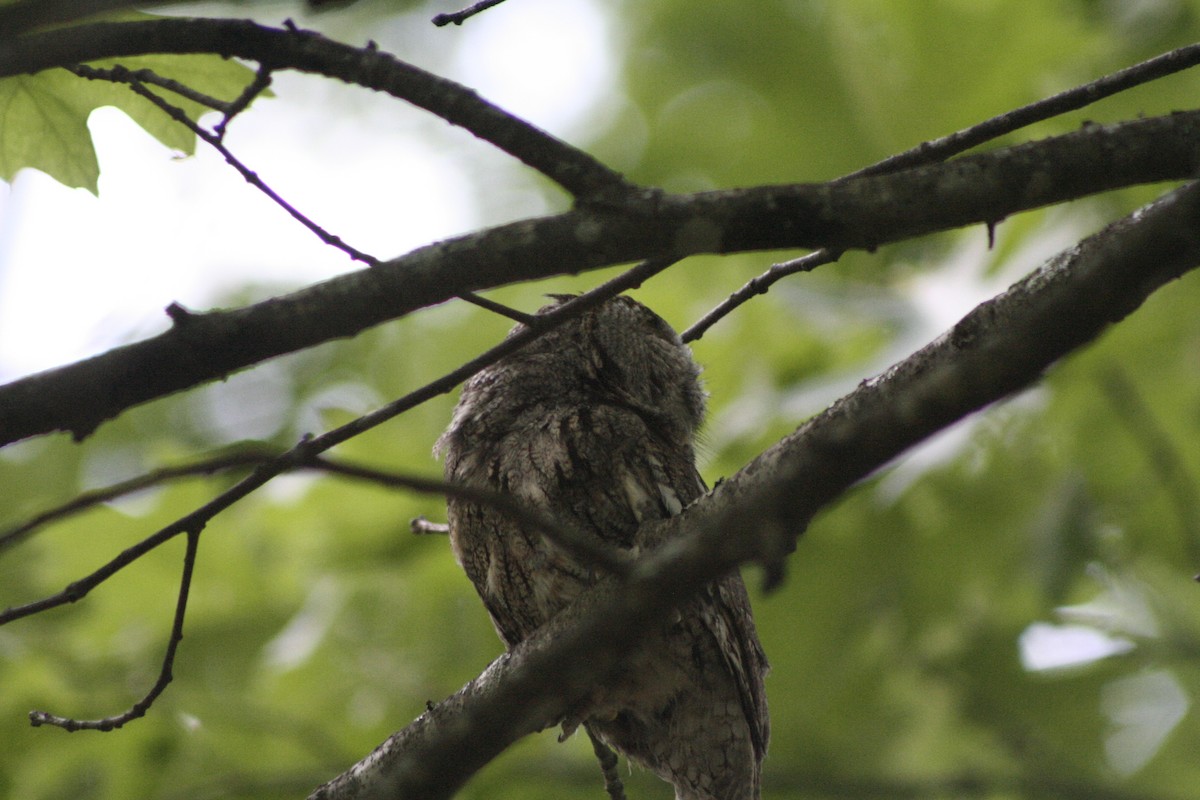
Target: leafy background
909, 641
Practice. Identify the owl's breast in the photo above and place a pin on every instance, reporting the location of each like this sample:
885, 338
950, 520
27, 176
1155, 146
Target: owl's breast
596, 468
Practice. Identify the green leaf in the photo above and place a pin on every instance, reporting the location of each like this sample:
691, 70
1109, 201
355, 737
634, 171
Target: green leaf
44, 116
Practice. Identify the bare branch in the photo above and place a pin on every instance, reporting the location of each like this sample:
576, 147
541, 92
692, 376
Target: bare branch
498, 308
587, 549
165, 674
458, 17
281, 48
1069, 100
260, 84
243, 457
424, 527
862, 212
759, 284
215, 140
305, 453
120, 74
958, 142
1000, 347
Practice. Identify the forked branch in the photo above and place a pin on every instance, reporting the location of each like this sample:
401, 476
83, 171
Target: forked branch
958, 142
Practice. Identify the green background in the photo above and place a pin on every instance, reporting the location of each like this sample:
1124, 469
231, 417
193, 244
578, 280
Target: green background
319, 624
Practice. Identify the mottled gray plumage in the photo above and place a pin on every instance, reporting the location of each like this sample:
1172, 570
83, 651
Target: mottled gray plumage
593, 424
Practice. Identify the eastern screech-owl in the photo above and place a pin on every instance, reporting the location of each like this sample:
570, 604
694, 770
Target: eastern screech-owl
593, 424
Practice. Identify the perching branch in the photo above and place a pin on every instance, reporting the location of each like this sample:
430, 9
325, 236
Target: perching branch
571, 540
999, 348
862, 212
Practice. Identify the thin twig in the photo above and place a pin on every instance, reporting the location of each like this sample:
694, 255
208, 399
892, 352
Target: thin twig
260, 84
120, 74
307, 450
943, 148
1069, 100
457, 17
165, 674
217, 143
420, 526
760, 284
499, 308
106, 494
571, 539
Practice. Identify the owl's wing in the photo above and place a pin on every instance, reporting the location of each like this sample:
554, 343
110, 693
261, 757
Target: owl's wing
604, 470
724, 608
728, 617
475, 531
733, 627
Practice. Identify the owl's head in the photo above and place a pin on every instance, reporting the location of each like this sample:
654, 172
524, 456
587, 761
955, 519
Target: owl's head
626, 354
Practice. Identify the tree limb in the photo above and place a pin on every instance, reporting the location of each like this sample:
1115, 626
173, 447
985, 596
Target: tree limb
304, 453
863, 212
307, 51
459, 17
999, 348
960, 141
165, 673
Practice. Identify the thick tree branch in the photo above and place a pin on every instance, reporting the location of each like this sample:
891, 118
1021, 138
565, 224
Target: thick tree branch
862, 212
24, 15
958, 142
999, 348
280, 48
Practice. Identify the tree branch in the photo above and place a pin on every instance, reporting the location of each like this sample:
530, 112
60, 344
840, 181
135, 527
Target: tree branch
458, 17
280, 48
304, 454
24, 15
958, 142
165, 674
862, 212
135, 81
241, 457
999, 348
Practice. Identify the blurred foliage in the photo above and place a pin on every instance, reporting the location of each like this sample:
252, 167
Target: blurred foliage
927, 641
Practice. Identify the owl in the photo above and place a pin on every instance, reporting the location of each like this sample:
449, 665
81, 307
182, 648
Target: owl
593, 424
